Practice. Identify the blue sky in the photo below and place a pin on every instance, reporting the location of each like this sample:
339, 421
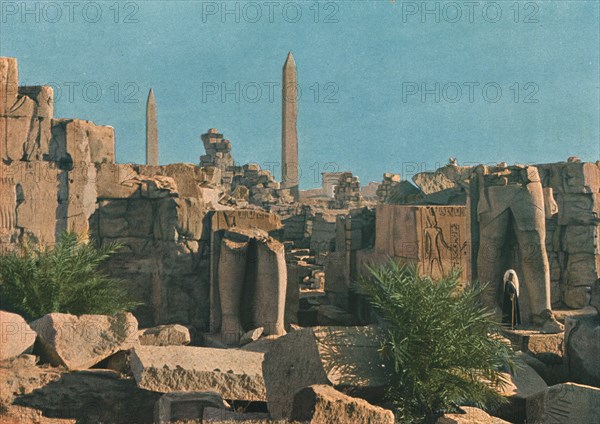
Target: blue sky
386, 86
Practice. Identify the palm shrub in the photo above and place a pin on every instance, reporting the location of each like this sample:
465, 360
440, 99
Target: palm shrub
65, 278
439, 341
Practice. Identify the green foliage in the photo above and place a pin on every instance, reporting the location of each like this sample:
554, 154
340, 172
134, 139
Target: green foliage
439, 340
35, 281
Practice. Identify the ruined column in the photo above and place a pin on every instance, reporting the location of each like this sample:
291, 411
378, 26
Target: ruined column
151, 131
289, 134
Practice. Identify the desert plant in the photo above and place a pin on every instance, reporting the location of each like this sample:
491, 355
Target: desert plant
37, 280
439, 341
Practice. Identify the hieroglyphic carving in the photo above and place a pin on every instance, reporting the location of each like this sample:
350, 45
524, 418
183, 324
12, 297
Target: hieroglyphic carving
435, 237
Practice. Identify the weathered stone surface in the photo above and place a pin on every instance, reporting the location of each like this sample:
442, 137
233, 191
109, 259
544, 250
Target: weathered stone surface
470, 415
32, 201
232, 373
251, 266
25, 116
91, 397
508, 208
578, 209
333, 315
20, 376
223, 416
289, 133
19, 414
565, 404
582, 336
16, 337
437, 237
582, 270
581, 239
76, 141
151, 131
522, 385
346, 358
165, 335
78, 342
546, 347
176, 406
323, 404
116, 181
252, 336
246, 219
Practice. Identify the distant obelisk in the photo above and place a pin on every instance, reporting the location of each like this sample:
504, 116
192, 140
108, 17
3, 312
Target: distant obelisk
151, 131
289, 134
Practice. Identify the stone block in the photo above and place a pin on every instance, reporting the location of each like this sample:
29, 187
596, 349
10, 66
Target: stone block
246, 219
577, 297
37, 192
578, 209
78, 342
582, 269
582, 337
76, 141
581, 239
16, 337
292, 294
595, 296
90, 397
165, 335
549, 348
9, 82
318, 404
117, 181
524, 383
24, 116
436, 237
183, 406
346, 358
469, 415
233, 374
566, 403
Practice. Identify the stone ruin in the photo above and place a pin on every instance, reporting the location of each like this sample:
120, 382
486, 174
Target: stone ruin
221, 256
347, 192
385, 188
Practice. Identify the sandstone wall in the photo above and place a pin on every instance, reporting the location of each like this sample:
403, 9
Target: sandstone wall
437, 238
572, 234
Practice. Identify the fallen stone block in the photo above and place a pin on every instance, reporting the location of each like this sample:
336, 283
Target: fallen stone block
548, 348
469, 415
78, 342
251, 336
234, 374
16, 337
583, 350
176, 406
346, 358
20, 376
567, 403
522, 384
91, 397
323, 404
165, 335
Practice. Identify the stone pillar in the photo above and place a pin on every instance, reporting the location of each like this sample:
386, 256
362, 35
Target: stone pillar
289, 134
151, 131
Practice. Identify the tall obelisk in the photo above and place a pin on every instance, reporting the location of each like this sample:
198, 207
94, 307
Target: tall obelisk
151, 131
289, 134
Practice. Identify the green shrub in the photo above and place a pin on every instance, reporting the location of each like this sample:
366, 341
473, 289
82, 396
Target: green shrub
35, 281
439, 340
